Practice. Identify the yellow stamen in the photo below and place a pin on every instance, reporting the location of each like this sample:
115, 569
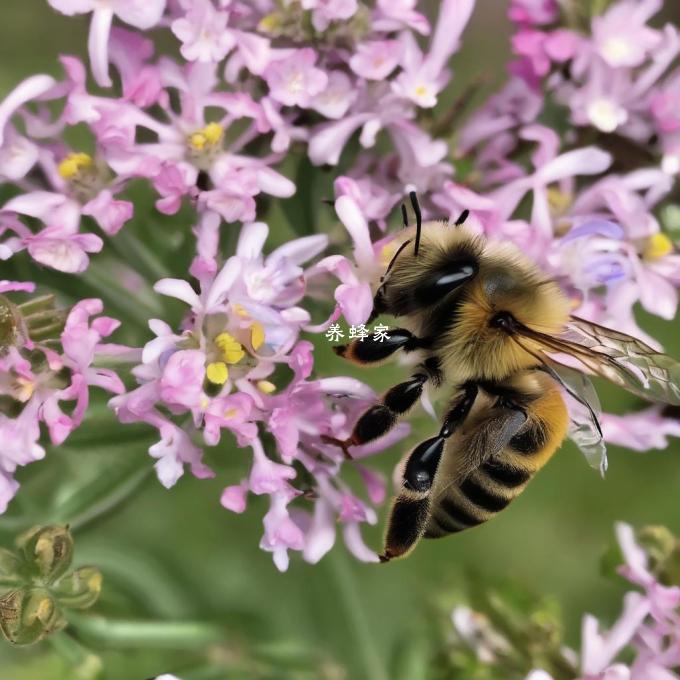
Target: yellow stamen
240, 310
657, 246
559, 201
231, 413
269, 23
213, 132
25, 389
421, 91
73, 164
265, 386
210, 135
256, 335
217, 372
232, 350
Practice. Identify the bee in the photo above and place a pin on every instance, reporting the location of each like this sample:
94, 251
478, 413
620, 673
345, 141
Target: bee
484, 320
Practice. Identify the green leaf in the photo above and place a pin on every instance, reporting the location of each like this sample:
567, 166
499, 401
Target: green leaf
100, 495
301, 210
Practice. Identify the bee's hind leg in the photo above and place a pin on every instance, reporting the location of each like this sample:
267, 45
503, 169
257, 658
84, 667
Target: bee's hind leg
410, 511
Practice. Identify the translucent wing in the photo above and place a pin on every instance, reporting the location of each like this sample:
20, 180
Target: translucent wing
583, 405
584, 412
623, 360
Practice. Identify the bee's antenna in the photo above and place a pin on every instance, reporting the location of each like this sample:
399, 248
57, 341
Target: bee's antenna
404, 215
462, 218
419, 219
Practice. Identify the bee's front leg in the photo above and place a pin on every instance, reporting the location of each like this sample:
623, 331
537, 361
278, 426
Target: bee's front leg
373, 350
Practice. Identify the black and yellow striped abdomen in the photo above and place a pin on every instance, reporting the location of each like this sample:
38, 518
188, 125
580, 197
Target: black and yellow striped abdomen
491, 487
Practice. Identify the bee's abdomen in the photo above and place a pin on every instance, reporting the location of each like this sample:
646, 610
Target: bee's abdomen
481, 496
496, 483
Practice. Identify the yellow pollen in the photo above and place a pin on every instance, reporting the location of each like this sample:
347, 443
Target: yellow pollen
657, 246
269, 23
232, 350
210, 135
73, 164
265, 386
217, 372
421, 91
256, 335
231, 413
240, 310
559, 201
25, 389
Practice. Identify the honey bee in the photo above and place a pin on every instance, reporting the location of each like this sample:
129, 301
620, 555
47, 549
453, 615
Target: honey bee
484, 320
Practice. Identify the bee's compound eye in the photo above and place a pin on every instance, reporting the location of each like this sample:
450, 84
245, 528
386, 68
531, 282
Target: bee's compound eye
422, 464
503, 320
452, 276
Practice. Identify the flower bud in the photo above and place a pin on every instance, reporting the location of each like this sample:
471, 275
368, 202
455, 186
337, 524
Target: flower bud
79, 589
28, 615
47, 550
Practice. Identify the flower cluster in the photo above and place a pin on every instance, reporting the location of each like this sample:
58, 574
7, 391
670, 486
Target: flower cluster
211, 134
649, 623
216, 377
647, 631
41, 369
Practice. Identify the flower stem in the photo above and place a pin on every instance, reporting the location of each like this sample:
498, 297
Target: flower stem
163, 634
85, 664
349, 597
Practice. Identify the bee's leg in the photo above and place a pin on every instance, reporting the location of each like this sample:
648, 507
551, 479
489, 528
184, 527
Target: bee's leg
381, 418
398, 400
372, 351
411, 509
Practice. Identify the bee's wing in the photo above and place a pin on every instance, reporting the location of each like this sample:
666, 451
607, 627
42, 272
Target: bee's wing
584, 412
623, 360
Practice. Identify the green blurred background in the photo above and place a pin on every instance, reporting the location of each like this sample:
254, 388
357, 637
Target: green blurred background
178, 556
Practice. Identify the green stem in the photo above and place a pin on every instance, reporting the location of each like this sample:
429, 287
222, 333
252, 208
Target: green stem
354, 611
133, 249
103, 494
37, 304
141, 634
85, 664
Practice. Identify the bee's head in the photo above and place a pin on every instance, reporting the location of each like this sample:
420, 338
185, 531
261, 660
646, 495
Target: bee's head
446, 261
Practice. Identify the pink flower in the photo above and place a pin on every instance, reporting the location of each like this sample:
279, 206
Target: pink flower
293, 80
143, 14
533, 11
280, 532
326, 11
424, 76
377, 59
621, 35
203, 32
